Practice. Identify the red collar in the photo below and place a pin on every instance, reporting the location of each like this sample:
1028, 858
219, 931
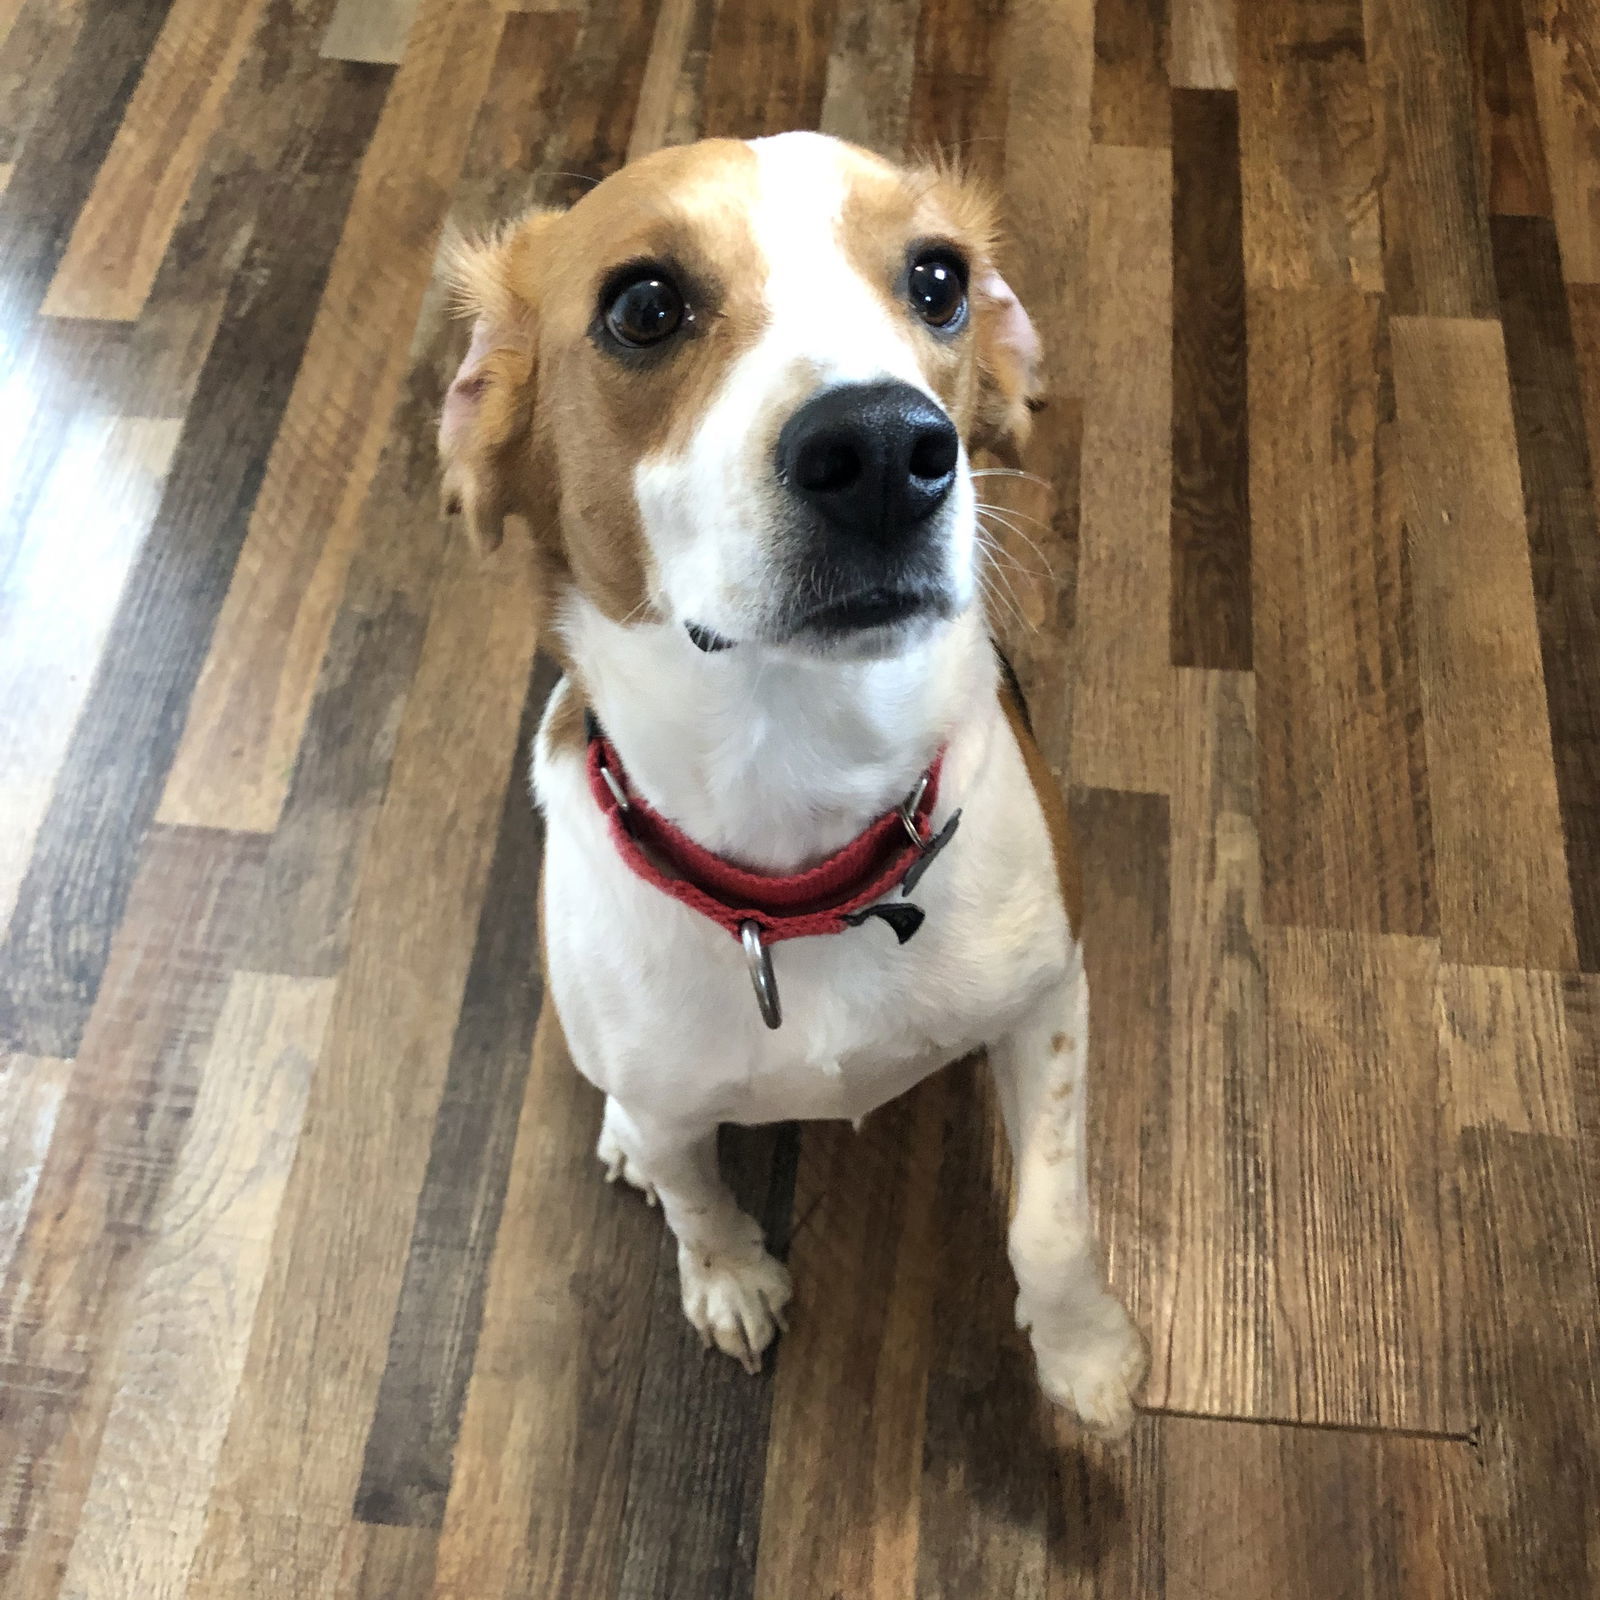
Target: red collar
836, 894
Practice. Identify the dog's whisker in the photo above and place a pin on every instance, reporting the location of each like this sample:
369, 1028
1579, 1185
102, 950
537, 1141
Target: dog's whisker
1009, 472
1011, 527
995, 542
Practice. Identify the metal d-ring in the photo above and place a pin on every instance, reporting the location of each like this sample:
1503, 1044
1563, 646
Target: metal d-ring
762, 980
908, 810
617, 792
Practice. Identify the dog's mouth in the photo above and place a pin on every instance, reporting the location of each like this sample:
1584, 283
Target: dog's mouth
864, 611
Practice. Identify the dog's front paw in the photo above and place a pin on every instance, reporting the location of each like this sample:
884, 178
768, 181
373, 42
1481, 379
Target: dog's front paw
735, 1299
1090, 1363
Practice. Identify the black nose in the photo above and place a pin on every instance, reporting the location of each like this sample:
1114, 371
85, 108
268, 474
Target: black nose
873, 459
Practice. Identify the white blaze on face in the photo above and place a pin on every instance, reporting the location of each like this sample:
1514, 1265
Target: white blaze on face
709, 509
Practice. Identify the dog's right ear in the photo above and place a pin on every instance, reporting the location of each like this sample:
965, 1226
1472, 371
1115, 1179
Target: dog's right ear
485, 431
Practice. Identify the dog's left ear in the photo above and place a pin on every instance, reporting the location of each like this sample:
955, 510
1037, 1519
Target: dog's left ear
1010, 368
486, 429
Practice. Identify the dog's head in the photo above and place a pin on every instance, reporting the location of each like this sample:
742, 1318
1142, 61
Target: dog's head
735, 388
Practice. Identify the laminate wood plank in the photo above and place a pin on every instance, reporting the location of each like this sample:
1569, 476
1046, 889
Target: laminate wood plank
1210, 400
958, 94
1510, 148
1564, 54
1367, 1272
1500, 873
1203, 46
1105, 1517
1122, 716
1131, 90
370, 30
1346, 835
871, 68
1328, 1515
1580, 1007
1435, 218
768, 67
668, 108
1503, 1034
1212, 1310
840, 1507
388, 1563
538, 1494
1532, 1312
1308, 147
92, 515
983, 1513
127, 221
405, 1476
1125, 840
699, 1441
31, 1088
310, 1384
106, 792
118, 1135
189, 1318
248, 711
1560, 485
92, 59
1583, 305
34, 51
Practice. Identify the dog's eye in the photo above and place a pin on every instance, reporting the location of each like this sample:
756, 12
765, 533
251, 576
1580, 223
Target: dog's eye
645, 311
937, 288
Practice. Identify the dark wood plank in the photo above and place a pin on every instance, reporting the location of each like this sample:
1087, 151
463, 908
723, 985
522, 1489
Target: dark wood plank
958, 97
57, 161
768, 67
700, 1438
1580, 1007
1499, 869
72, 898
1559, 485
1131, 95
538, 1494
870, 72
1436, 259
839, 1511
1308, 147
118, 1132
1532, 1313
987, 1434
1346, 835
1210, 426
1107, 1510
1125, 840
405, 1476
1510, 148
1564, 51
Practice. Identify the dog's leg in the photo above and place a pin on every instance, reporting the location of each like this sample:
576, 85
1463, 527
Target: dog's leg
1091, 1358
733, 1291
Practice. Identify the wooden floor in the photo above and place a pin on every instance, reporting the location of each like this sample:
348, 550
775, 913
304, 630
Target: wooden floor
311, 1287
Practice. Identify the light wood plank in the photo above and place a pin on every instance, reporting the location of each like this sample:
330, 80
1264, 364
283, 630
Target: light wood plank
870, 72
369, 30
1367, 1271
840, 1510
190, 1318
657, 116
295, 1440
1308, 147
31, 1088
1203, 48
125, 226
1501, 870
541, 1467
387, 1563
118, 1136
249, 708
1564, 51
1122, 719
1346, 837
1212, 1305
1504, 1038
57, 604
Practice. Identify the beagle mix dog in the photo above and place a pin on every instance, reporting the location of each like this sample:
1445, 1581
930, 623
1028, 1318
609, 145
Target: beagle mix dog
801, 847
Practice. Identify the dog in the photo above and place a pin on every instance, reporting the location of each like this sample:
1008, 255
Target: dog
801, 847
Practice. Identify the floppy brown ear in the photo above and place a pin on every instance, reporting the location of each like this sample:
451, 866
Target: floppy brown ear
485, 430
1010, 364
